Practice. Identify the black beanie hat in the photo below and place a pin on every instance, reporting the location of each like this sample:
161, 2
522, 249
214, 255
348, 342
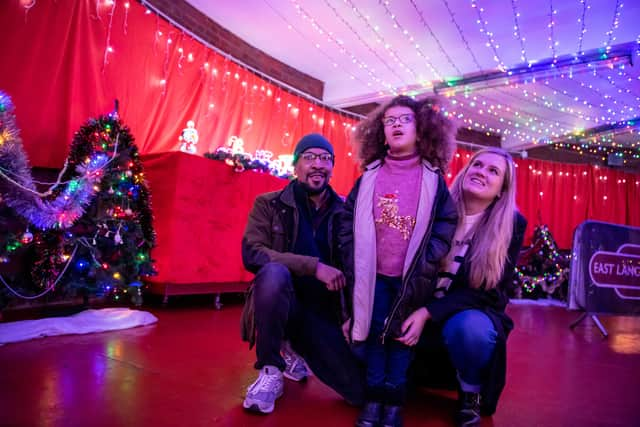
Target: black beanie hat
313, 140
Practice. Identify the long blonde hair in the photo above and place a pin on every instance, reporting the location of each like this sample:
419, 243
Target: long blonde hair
489, 248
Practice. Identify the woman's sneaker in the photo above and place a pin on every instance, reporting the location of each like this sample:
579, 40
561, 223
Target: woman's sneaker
262, 394
296, 368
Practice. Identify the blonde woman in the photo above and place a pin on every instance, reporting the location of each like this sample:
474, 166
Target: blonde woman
467, 314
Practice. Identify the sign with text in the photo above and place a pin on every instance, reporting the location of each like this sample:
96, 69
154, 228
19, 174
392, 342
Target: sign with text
605, 268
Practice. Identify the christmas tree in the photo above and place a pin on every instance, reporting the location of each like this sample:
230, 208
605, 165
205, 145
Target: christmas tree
90, 233
542, 270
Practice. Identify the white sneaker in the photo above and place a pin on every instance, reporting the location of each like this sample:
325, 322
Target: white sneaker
296, 368
262, 394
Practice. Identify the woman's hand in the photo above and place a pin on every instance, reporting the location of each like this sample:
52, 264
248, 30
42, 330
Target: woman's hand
345, 330
413, 326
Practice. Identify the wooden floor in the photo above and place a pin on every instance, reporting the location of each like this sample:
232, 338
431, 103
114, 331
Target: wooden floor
191, 369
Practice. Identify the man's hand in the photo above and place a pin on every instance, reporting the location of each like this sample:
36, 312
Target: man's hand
331, 277
413, 326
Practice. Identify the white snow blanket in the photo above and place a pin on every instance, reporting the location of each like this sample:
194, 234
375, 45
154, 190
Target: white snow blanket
85, 322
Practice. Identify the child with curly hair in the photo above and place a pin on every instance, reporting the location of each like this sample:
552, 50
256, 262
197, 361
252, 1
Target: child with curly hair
397, 225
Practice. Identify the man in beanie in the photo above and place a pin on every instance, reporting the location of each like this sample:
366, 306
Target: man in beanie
295, 299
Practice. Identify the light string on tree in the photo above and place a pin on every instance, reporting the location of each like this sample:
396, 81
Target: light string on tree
48, 288
11, 176
102, 188
542, 266
21, 194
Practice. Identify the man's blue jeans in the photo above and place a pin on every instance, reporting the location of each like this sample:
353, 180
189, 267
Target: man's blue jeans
279, 314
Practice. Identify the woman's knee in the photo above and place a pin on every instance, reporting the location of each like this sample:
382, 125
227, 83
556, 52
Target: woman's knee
470, 328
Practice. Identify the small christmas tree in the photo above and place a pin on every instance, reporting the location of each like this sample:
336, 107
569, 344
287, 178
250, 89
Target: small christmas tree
92, 232
542, 270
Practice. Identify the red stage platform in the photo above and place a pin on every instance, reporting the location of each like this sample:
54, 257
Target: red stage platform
200, 210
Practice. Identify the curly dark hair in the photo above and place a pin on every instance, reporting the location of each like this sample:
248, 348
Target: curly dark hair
434, 132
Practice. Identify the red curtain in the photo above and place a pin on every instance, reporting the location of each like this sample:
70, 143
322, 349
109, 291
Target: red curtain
67, 60
59, 70
564, 195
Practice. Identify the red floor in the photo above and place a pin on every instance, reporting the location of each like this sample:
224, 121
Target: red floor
191, 369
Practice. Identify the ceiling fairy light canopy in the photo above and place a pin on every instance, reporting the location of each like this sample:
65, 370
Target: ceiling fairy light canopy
566, 67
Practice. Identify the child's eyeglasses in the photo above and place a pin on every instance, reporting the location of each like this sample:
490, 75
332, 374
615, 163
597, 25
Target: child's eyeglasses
310, 157
403, 118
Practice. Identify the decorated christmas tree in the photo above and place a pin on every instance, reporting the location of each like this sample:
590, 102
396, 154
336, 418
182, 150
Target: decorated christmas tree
90, 233
543, 269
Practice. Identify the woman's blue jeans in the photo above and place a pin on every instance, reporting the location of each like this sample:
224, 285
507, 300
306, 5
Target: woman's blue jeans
470, 339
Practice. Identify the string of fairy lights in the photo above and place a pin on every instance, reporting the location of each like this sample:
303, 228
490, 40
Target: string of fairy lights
551, 110
455, 22
532, 121
516, 31
552, 35
368, 46
506, 118
322, 51
583, 27
614, 24
426, 26
555, 265
379, 38
341, 48
408, 36
540, 128
483, 24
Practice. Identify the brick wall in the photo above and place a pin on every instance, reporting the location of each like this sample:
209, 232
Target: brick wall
213, 33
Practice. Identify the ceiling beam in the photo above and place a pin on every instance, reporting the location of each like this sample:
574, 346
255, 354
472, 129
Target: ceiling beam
586, 61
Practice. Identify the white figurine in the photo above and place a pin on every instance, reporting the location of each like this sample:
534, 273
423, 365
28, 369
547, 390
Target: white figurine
189, 138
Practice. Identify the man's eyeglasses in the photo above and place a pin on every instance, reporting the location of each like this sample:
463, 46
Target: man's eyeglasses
403, 118
310, 157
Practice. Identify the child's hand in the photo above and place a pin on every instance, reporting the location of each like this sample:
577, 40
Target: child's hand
413, 326
345, 330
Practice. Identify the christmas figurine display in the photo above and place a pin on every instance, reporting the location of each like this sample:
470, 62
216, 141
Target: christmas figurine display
189, 138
